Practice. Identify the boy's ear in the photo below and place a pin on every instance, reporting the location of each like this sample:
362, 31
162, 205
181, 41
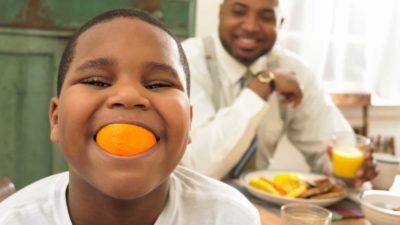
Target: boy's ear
191, 118
53, 116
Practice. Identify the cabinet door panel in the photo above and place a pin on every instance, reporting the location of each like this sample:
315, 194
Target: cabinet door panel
27, 83
25, 88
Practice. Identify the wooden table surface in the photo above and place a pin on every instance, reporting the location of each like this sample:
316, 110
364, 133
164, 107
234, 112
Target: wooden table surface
352, 222
268, 218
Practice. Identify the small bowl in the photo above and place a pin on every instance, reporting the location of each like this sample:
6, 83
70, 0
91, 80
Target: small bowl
378, 207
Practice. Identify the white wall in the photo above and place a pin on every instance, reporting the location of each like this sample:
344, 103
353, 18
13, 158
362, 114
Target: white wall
207, 17
383, 120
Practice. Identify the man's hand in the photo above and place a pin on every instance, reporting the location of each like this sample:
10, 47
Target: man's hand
285, 84
366, 173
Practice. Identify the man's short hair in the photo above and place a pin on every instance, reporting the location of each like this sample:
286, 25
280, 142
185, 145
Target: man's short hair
69, 50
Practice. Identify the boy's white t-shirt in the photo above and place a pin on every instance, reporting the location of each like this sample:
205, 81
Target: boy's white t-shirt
193, 200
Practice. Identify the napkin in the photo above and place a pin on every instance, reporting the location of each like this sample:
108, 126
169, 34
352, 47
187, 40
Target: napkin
345, 209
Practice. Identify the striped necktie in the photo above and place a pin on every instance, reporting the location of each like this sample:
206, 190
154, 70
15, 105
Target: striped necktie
245, 78
251, 150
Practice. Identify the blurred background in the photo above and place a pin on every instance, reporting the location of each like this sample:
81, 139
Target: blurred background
353, 46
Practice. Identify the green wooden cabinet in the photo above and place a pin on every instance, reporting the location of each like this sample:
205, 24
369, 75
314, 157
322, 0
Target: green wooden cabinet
33, 34
56, 14
28, 62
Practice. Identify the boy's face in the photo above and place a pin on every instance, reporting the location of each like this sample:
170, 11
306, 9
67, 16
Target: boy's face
123, 71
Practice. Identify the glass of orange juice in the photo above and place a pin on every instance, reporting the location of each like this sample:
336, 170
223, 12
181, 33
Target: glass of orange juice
348, 153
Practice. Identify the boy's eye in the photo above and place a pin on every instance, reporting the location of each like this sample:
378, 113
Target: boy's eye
96, 82
158, 85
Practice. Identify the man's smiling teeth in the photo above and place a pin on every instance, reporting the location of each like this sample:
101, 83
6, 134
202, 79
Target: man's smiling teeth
247, 40
246, 43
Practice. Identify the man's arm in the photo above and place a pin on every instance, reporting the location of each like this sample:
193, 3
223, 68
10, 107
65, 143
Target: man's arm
312, 124
220, 137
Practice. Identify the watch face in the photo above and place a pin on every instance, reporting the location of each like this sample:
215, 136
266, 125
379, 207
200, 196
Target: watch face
264, 76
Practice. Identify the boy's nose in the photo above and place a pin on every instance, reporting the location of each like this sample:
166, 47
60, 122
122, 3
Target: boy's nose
128, 96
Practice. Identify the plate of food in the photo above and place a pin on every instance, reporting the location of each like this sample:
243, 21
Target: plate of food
281, 187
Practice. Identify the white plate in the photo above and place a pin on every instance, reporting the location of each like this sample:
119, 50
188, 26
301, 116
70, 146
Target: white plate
280, 200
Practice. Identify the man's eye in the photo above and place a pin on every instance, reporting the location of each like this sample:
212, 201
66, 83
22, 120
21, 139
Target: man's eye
158, 85
96, 82
239, 12
268, 18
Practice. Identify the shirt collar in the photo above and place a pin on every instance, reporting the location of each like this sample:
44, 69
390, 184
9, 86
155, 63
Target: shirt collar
230, 67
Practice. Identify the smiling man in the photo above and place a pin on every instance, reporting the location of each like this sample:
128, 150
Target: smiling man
231, 107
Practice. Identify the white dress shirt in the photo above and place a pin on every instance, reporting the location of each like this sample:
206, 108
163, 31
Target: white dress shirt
222, 133
193, 200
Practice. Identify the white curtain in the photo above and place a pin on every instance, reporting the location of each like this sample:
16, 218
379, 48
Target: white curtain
351, 45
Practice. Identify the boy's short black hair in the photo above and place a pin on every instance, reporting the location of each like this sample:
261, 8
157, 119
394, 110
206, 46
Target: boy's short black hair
69, 50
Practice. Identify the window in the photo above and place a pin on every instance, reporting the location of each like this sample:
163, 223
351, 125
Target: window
350, 44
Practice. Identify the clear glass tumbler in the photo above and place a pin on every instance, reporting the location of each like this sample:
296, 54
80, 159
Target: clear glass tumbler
304, 214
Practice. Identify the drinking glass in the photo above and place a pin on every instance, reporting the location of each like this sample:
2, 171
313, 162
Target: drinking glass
348, 153
304, 214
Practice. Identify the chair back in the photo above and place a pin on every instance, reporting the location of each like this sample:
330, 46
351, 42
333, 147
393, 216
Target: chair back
7, 188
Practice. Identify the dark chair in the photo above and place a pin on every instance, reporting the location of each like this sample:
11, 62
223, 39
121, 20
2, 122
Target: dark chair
7, 188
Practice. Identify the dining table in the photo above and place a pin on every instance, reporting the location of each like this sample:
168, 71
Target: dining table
270, 218
269, 212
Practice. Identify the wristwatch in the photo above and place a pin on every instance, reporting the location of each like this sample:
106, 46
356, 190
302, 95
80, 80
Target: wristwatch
266, 77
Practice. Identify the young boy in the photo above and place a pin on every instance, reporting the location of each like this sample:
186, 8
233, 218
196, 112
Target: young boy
124, 67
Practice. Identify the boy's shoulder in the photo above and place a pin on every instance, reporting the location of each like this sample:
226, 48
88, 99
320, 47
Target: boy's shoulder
197, 195
189, 182
36, 202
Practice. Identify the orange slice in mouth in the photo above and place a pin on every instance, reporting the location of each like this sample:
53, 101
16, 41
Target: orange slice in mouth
125, 139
